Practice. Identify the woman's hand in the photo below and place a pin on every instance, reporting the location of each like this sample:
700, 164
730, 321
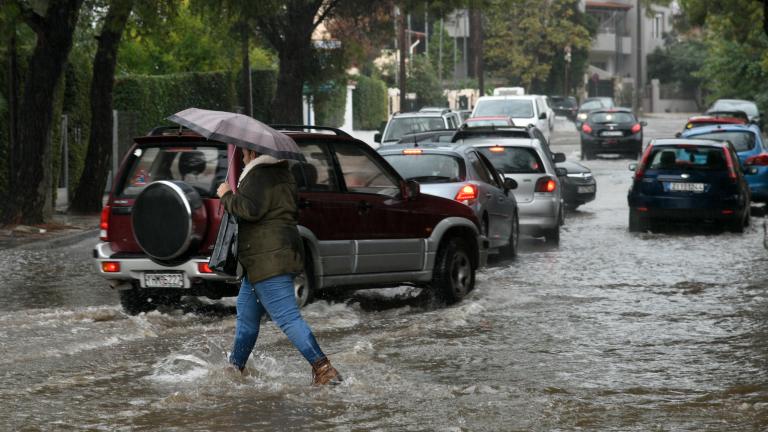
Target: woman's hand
223, 189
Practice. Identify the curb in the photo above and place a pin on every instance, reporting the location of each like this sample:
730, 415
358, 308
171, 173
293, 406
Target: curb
65, 240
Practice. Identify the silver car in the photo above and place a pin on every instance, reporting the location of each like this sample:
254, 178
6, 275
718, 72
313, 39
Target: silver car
462, 173
538, 194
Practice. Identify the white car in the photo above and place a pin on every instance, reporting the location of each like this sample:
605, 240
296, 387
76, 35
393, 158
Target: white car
524, 110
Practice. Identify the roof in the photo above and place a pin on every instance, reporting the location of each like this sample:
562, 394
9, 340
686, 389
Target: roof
689, 141
418, 114
433, 148
503, 141
608, 5
509, 97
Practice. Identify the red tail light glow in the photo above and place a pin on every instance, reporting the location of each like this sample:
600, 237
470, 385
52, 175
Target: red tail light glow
731, 166
104, 224
586, 128
757, 160
202, 267
636, 128
110, 266
640, 170
546, 185
497, 149
466, 193
412, 151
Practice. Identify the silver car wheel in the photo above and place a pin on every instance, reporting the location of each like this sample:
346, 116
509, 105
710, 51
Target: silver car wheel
301, 289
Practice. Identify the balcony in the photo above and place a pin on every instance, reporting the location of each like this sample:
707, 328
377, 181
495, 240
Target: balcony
606, 43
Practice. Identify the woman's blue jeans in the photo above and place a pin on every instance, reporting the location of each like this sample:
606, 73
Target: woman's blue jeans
276, 296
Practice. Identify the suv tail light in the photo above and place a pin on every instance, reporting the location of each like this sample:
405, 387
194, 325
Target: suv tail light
104, 224
640, 170
636, 128
586, 128
466, 193
729, 163
203, 267
110, 266
546, 185
757, 160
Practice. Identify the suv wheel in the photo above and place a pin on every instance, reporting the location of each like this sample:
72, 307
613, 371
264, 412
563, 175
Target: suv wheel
136, 300
514, 239
637, 223
453, 275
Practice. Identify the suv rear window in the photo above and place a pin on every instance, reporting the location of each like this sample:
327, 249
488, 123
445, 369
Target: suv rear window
688, 158
742, 141
517, 108
428, 168
514, 160
202, 167
407, 125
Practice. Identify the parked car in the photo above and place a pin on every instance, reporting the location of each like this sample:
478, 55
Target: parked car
565, 106
749, 107
463, 174
751, 150
591, 104
362, 224
413, 122
539, 191
524, 110
613, 130
715, 119
684, 179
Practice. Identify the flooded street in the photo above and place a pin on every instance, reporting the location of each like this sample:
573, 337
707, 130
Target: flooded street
611, 331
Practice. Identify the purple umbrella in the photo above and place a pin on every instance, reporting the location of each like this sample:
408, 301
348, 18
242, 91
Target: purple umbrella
240, 130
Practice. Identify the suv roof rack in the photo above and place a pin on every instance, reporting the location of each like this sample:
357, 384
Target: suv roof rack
307, 128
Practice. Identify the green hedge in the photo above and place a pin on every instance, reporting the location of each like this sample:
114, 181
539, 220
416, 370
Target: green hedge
329, 104
369, 103
263, 88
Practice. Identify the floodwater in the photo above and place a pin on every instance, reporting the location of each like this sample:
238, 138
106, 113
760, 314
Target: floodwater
612, 331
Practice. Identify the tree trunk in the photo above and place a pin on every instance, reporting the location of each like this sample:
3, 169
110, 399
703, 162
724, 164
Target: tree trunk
33, 202
90, 189
13, 110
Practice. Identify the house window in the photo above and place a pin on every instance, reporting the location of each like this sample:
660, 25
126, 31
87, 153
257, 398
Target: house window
658, 25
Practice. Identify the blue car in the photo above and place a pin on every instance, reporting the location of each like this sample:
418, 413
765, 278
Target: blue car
687, 179
750, 148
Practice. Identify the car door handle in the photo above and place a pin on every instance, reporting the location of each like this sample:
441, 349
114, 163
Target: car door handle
303, 203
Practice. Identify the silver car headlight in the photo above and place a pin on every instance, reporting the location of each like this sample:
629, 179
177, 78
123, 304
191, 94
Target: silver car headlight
582, 116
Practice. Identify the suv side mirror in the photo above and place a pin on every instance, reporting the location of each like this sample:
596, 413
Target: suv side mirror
377, 137
558, 157
410, 189
543, 116
561, 172
509, 184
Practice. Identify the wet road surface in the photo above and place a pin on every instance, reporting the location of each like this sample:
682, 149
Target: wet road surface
659, 331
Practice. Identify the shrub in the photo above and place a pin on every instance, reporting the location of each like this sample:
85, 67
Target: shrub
369, 103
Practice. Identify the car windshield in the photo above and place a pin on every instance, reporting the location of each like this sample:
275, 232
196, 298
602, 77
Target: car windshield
611, 117
563, 102
202, 167
591, 105
689, 157
741, 140
729, 105
408, 125
516, 108
428, 168
514, 160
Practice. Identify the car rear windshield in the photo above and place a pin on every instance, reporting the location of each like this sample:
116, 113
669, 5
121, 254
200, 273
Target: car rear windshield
202, 167
516, 108
741, 140
563, 102
689, 157
514, 160
611, 117
591, 105
408, 125
428, 168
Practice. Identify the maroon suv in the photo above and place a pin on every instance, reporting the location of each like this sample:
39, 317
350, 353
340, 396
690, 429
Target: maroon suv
363, 226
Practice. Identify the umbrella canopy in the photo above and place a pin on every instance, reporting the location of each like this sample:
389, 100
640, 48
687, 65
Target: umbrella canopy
240, 130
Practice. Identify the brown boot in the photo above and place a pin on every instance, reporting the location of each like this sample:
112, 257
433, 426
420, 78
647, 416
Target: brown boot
323, 373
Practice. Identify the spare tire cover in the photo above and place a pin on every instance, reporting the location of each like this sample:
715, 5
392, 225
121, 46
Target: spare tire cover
168, 219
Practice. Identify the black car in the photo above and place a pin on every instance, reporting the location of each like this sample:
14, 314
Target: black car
565, 106
579, 186
591, 104
614, 130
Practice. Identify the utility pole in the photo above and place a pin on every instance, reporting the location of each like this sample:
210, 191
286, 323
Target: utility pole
403, 48
639, 80
476, 41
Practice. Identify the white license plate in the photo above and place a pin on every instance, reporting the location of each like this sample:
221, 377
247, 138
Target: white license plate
613, 133
164, 280
686, 187
585, 189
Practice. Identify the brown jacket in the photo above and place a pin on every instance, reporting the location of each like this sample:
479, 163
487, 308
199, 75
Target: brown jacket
265, 205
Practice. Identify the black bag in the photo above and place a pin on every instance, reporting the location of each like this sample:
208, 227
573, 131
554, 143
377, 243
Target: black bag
224, 256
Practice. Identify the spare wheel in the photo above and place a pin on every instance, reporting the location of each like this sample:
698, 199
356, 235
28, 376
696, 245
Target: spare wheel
169, 220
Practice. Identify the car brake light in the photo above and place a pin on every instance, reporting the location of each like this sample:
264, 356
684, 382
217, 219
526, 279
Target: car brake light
497, 149
546, 185
729, 163
636, 128
466, 193
110, 266
586, 128
203, 267
757, 160
104, 223
640, 170
412, 151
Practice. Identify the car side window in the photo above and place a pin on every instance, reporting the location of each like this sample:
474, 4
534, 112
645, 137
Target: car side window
479, 168
362, 173
316, 174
